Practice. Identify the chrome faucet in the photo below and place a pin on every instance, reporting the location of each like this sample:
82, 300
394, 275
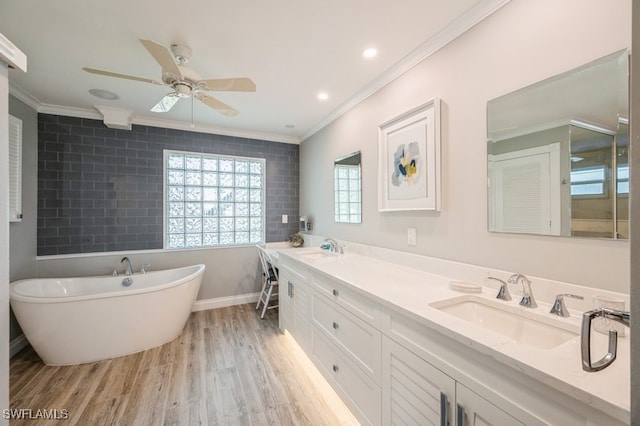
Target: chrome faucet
333, 244
127, 264
585, 341
559, 307
503, 293
527, 296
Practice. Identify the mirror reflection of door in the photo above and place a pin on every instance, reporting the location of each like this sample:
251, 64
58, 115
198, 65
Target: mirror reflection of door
583, 110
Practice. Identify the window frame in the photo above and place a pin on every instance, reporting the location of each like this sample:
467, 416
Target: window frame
603, 182
165, 201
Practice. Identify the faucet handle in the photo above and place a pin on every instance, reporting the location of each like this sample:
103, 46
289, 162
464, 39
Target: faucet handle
559, 307
143, 269
503, 293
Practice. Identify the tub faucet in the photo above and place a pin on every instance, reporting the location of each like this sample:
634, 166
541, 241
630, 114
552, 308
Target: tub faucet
127, 264
527, 296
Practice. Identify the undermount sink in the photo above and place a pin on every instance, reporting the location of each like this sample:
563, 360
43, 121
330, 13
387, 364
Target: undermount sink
316, 253
509, 321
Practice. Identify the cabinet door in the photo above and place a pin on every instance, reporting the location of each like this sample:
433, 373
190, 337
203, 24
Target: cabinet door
301, 327
413, 391
473, 410
285, 301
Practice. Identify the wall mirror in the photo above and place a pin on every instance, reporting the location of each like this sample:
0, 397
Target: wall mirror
347, 188
557, 154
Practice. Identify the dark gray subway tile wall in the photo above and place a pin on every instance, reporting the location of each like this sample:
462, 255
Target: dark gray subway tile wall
100, 189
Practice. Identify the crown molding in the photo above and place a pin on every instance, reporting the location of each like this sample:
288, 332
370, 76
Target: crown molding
180, 125
17, 92
459, 26
94, 114
10, 54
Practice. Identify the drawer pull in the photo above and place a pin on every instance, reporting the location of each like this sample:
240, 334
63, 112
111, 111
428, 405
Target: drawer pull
335, 368
460, 415
335, 292
335, 325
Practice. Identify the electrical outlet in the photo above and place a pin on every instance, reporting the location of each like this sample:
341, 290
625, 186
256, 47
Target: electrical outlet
285, 218
412, 237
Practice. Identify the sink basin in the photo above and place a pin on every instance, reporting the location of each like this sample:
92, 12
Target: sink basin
523, 328
311, 256
315, 253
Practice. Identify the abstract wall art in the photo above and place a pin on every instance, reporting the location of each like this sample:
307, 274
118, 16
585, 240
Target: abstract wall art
409, 160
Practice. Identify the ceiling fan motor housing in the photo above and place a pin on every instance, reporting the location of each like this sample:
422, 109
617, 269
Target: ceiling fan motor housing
181, 53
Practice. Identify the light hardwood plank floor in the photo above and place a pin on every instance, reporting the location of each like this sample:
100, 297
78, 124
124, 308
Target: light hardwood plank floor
228, 367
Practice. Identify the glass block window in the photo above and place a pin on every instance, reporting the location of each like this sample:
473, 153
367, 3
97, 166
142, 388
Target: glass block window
212, 200
347, 193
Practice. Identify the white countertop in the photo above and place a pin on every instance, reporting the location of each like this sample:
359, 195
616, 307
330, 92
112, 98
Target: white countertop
411, 290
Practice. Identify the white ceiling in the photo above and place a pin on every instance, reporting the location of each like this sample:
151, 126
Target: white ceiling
291, 49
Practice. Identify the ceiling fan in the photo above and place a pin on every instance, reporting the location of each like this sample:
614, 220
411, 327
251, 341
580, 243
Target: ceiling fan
184, 81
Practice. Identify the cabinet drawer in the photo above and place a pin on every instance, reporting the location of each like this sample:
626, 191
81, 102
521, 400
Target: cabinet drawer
294, 270
356, 337
357, 390
359, 305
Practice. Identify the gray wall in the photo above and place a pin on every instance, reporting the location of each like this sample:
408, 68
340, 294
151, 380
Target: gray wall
22, 235
520, 44
100, 189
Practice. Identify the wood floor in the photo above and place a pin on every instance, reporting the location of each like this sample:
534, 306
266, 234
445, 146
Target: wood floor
227, 368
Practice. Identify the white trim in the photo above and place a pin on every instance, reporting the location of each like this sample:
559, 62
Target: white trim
17, 344
459, 26
223, 302
17, 92
11, 55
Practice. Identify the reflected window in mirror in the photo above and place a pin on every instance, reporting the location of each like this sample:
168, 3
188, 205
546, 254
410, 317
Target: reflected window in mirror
557, 154
348, 184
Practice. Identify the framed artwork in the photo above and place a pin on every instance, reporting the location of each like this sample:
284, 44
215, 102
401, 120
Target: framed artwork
409, 160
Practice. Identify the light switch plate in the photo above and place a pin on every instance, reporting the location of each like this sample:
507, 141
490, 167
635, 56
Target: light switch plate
412, 237
285, 218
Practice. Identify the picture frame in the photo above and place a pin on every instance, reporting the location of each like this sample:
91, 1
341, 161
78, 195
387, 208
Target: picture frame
409, 160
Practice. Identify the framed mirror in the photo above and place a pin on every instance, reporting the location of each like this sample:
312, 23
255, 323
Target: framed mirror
557, 154
348, 188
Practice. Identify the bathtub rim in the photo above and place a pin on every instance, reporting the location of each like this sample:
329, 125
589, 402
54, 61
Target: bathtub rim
18, 297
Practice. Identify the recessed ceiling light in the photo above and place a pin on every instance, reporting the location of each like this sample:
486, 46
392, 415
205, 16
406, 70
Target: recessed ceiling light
323, 96
104, 94
290, 126
369, 53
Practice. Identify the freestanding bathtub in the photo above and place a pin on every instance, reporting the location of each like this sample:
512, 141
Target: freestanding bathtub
77, 320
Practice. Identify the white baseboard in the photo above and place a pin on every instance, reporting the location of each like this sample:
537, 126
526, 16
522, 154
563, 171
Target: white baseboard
223, 302
17, 344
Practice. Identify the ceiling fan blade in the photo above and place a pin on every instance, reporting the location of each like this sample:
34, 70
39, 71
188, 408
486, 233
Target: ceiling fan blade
230, 84
166, 103
117, 75
221, 107
163, 56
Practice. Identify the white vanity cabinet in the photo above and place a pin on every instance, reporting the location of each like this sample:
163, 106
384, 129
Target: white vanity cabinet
392, 366
416, 392
294, 302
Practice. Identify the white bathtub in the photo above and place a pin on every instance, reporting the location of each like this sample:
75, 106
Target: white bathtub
85, 319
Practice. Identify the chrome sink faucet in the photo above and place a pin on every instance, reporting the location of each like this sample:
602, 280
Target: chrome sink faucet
333, 244
527, 295
127, 264
503, 293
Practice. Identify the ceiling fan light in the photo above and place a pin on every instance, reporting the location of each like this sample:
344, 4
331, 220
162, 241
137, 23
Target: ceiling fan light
166, 103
